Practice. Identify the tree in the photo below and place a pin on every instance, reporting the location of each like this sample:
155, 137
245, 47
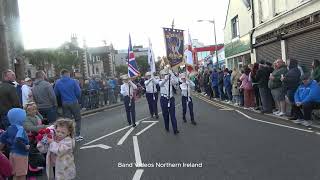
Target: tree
121, 69
43, 59
66, 60
142, 62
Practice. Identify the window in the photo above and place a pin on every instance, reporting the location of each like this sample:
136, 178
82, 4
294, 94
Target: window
98, 58
280, 6
264, 10
235, 27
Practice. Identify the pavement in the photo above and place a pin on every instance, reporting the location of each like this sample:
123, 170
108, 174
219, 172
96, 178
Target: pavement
315, 125
227, 144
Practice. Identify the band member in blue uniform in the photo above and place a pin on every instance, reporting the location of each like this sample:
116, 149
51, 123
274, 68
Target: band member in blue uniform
167, 100
186, 98
152, 94
127, 89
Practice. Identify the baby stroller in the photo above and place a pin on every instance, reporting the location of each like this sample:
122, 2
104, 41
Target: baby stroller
37, 160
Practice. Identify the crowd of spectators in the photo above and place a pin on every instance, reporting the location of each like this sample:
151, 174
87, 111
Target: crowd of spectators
281, 88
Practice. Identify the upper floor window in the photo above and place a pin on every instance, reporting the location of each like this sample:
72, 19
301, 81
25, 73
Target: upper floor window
264, 10
280, 6
235, 27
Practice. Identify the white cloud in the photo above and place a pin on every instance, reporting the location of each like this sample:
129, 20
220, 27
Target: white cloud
47, 23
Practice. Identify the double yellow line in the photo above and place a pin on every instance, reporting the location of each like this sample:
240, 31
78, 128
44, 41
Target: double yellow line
213, 103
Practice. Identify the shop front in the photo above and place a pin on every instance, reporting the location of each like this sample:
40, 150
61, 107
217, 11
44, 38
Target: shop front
237, 53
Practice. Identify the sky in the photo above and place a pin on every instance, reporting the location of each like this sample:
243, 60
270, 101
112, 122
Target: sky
49, 23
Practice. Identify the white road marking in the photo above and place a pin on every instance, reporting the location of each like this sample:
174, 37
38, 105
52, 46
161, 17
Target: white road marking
149, 121
99, 138
138, 174
103, 146
106, 135
125, 137
290, 127
143, 130
136, 150
226, 109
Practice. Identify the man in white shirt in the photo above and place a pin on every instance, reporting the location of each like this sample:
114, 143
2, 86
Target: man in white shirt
26, 91
186, 98
127, 89
152, 94
167, 100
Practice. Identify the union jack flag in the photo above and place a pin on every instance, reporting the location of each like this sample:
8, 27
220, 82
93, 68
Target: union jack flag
132, 64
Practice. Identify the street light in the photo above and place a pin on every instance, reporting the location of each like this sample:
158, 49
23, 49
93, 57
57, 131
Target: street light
215, 38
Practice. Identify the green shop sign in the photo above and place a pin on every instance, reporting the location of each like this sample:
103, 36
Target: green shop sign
238, 46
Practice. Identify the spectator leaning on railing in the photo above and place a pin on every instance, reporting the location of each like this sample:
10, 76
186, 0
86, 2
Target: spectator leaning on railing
307, 98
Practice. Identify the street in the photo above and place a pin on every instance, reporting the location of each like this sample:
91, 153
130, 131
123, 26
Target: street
224, 145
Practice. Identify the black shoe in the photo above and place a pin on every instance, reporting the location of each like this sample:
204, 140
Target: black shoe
152, 116
193, 122
292, 118
167, 130
176, 132
157, 116
134, 125
184, 119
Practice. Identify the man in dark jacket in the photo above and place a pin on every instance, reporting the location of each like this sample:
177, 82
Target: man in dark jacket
214, 83
262, 78
220, 84
206, 79
291, 82
227, 84
45, 97
8, 97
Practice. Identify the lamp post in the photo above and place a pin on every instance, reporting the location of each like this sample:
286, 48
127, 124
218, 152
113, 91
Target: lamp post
215, 38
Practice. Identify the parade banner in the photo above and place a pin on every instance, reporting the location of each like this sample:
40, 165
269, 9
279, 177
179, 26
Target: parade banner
174, 42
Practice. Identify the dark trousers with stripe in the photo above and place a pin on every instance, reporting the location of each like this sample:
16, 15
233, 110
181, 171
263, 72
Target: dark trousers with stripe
169, 112
153, 103
184, 100
130, 110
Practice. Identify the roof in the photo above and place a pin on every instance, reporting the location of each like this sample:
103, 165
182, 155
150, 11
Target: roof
99, 50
